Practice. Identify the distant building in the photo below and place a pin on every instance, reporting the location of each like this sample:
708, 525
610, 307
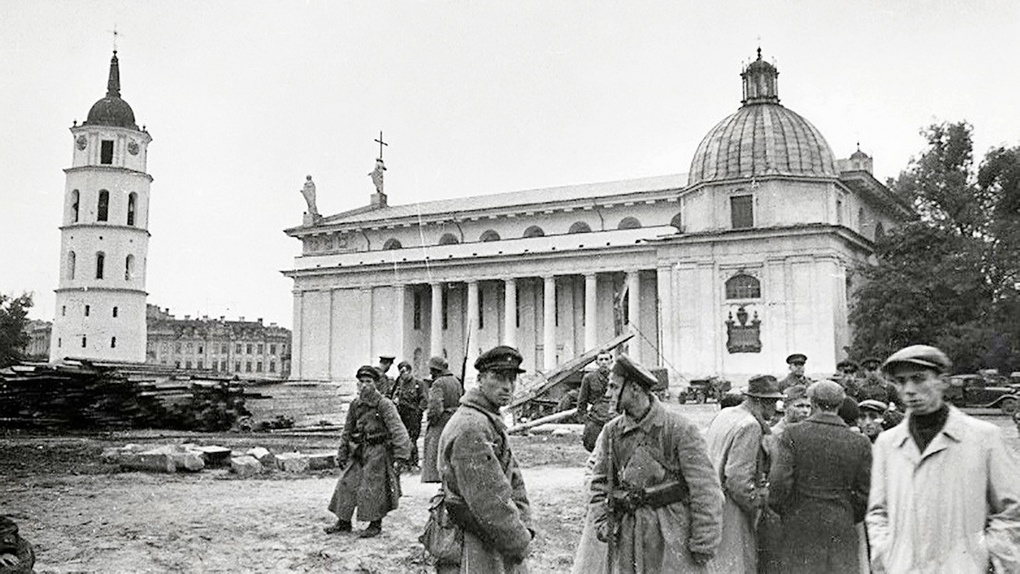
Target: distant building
247, 349
724, 271
104, 236
38, 348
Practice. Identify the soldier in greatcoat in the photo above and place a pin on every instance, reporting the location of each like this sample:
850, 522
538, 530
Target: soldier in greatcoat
373, 440
483, 486
820, 479
656, 500
795, 363
410, 396
444, 398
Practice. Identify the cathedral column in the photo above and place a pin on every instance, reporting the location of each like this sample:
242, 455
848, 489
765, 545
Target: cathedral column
590, 312
471, 335
436, 333
510, 313
549, 323
634, 313
667, 330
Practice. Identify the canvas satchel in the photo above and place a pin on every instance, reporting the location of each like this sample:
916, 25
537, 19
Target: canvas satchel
442, 538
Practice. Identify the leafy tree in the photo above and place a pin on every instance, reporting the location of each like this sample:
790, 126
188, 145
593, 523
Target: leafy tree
13, 318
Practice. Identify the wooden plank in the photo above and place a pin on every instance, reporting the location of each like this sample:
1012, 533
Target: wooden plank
560, 372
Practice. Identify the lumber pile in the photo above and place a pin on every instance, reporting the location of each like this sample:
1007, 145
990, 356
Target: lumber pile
86, 395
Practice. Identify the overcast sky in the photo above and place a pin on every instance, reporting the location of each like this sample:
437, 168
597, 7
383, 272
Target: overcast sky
243, 99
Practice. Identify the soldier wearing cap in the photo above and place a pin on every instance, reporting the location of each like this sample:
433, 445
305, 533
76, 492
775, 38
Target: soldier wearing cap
846, 376
795, 363
820, 475
735, 445
944, 490
656, 499
444, 397
374, 441
385, 384
483, 486
874, 386
876, 417
411, 397
593, 393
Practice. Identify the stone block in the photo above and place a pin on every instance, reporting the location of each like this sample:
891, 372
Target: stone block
245, 466
262, 455
292, 462
154, 461
321, 460
215, 455
191, 461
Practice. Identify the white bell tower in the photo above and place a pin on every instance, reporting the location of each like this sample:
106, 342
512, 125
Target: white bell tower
104, 237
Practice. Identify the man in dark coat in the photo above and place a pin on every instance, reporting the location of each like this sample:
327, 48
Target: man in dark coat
16, 554
386, 385
795, 363
444, 397
593, 394
373, 440
411, 398
875, 387
484, 488
820, 481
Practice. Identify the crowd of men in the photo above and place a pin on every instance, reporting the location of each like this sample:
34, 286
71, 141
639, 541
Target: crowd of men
856, 473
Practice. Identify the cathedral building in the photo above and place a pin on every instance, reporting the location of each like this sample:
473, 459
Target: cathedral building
100, 299
724, 270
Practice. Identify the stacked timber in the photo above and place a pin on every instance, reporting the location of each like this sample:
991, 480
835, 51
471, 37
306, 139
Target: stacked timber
86, 395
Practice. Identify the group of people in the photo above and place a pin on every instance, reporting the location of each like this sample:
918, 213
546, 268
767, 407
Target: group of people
938, 492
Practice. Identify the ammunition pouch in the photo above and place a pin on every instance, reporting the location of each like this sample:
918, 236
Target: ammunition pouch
629, 500
370, 440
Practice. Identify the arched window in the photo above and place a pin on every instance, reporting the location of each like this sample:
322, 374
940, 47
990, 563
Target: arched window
448, 239
103, 209
392, 243
579, 227
879, 231
75, 197
629, 223
489, 235
100, 260
677, 222
534, 231
129, 267
743, 286
70, 264
132, 199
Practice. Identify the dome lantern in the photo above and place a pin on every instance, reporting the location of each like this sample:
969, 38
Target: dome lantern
761, 82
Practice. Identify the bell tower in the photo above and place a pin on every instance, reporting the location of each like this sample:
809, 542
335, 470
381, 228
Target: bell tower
104, 237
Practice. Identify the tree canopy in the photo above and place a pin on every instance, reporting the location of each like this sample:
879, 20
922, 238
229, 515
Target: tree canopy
951, 278
13, 318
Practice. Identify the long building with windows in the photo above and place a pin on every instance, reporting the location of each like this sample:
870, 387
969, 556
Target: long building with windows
724, 270
247, 349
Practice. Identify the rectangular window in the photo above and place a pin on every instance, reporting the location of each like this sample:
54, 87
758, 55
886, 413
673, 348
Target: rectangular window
839, 212
237, 348
106, 152
199, 365
177, 347
84, 342
258, 367
223, 366
247, 367
187, 364
200, 349
272, 366
742, 211
114, 311
446, 311
260, 348
417, 310
481, 308
87, 308
248, 348
223, 350
177, 364
272, 349
237, 367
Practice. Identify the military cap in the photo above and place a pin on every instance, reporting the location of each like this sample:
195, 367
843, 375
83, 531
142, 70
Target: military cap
827, 393
633, 372
501, 358
871, 362
794, 393
796, 358
763, 387
386, 358
438, 363
872, 405
403, 364
921, 355
368, 371
846, 363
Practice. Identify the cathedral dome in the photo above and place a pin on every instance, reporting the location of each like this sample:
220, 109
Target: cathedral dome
112, 110
762, 138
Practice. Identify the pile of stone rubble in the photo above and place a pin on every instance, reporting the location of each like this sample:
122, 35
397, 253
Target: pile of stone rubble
194, 458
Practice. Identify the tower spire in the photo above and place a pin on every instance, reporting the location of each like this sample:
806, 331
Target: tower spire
113, 84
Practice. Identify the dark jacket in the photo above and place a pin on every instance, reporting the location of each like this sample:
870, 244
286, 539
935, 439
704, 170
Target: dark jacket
410, 393
444, 398
481, 476
820, 477
593, 392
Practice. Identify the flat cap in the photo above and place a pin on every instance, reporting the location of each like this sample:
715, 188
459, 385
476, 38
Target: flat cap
796, 358
368, 371
438, 363
635, 373
872, 405
921, 355
501, 358
763, 387
827, 393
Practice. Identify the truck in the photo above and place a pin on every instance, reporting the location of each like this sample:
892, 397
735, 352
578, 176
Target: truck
980, 390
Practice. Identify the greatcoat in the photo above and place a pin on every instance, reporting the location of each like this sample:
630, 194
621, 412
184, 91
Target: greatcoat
480, 473
949, 509
735, 447
820, 476
444, 396
660, 446
373, 438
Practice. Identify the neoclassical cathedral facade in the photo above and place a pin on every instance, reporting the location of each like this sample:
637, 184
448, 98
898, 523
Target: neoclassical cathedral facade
724, 270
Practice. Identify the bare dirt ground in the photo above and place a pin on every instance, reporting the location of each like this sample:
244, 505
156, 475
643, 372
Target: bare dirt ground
85, 516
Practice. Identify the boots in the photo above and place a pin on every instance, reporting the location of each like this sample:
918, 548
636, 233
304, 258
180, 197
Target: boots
341, 526
374, 529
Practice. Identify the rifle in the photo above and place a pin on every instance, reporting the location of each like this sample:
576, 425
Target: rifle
463, 362
611, 518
